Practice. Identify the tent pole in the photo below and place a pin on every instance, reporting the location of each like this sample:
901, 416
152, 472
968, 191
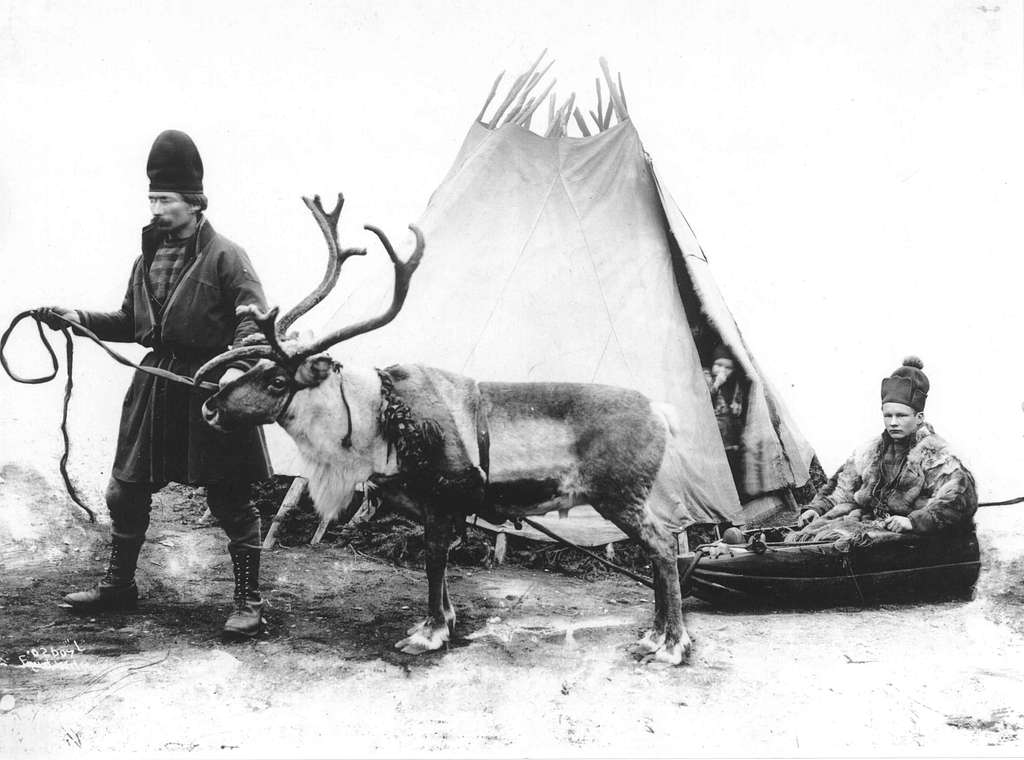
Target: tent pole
291, 499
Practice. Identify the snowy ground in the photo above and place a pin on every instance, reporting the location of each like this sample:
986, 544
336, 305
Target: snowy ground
540, 667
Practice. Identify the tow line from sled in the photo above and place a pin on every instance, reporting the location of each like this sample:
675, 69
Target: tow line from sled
69, 352
684, 576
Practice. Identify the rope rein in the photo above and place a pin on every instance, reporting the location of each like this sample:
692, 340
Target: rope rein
69, 353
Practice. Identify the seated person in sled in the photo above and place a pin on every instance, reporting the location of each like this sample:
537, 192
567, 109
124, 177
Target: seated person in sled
907, 477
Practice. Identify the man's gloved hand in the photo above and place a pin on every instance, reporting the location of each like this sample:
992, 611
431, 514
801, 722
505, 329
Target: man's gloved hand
49, 316
231, 373
898, 524
807, 517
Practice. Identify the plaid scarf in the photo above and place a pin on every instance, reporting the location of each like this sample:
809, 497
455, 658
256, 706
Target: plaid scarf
166, 267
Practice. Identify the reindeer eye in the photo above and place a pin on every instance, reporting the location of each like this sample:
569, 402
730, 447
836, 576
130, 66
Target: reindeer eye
278, 384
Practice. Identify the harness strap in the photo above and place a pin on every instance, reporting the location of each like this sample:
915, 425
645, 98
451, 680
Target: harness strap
483, 442
346, 442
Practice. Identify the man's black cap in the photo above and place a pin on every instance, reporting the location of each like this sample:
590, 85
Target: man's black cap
174, 164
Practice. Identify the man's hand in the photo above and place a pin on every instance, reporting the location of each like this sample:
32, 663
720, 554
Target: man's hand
231, 373
53, 316
898, 524
807, 517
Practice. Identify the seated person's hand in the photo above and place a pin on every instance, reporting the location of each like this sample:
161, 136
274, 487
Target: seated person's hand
53, 316
807, 517
736, 408
898, 524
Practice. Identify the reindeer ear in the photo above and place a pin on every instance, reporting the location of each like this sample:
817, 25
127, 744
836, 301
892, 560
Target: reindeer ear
314, 371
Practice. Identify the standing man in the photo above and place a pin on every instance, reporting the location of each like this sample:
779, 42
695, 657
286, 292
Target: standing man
181, 303
908, 476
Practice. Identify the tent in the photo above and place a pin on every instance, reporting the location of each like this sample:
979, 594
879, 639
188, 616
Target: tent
560, 258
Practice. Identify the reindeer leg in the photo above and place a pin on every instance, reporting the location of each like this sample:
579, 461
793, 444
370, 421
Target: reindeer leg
677, 641
434, 632
447, 607
654, 639
668, 640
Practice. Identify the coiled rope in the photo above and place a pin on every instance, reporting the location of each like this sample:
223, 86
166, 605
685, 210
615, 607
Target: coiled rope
69, 352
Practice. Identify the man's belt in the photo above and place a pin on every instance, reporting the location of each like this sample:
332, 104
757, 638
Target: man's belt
199, 354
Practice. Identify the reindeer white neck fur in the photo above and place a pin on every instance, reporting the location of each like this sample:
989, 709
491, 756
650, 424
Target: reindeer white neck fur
318, 424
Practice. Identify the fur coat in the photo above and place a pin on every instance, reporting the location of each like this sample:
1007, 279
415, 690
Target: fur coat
933, 488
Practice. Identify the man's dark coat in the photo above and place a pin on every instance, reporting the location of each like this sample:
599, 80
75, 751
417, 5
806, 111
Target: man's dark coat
163, 437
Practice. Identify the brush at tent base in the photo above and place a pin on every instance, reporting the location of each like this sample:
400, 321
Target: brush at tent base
519, 103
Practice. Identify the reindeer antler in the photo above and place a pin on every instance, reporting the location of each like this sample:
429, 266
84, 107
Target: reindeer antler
328, 223
403, 275
274, 330
265, 321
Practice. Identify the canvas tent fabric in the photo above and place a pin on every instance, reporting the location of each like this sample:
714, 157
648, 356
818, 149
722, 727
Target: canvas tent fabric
776, 455
557, 259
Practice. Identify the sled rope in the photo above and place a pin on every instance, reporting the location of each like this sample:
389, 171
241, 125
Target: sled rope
69, 352
1006, 503
617, 568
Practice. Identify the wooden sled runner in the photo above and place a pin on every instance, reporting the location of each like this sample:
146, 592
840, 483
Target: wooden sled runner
889, 567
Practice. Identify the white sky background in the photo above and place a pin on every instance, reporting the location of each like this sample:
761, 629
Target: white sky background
853, 171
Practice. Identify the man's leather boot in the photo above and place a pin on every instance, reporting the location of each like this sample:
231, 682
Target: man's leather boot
117, 589
247, 618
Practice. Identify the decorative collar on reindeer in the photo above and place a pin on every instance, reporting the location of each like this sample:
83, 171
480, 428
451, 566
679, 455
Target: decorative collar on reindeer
422, 425
415, 443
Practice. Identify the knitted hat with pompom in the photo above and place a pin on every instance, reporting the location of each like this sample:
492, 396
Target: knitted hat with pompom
907, 385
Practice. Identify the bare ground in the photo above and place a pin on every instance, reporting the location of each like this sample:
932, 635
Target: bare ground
541, 665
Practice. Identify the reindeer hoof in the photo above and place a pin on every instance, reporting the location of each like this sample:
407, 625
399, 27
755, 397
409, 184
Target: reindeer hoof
423, 638
651, 642
671, 655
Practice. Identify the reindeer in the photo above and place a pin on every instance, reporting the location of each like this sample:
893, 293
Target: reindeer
445, 446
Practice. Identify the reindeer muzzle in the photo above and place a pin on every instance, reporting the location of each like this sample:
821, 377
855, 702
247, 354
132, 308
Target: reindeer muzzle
210, 416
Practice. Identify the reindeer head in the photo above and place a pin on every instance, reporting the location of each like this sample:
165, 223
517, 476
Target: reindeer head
285, 365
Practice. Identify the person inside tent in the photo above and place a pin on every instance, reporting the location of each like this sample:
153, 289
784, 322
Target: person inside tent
908, 477
726, 384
